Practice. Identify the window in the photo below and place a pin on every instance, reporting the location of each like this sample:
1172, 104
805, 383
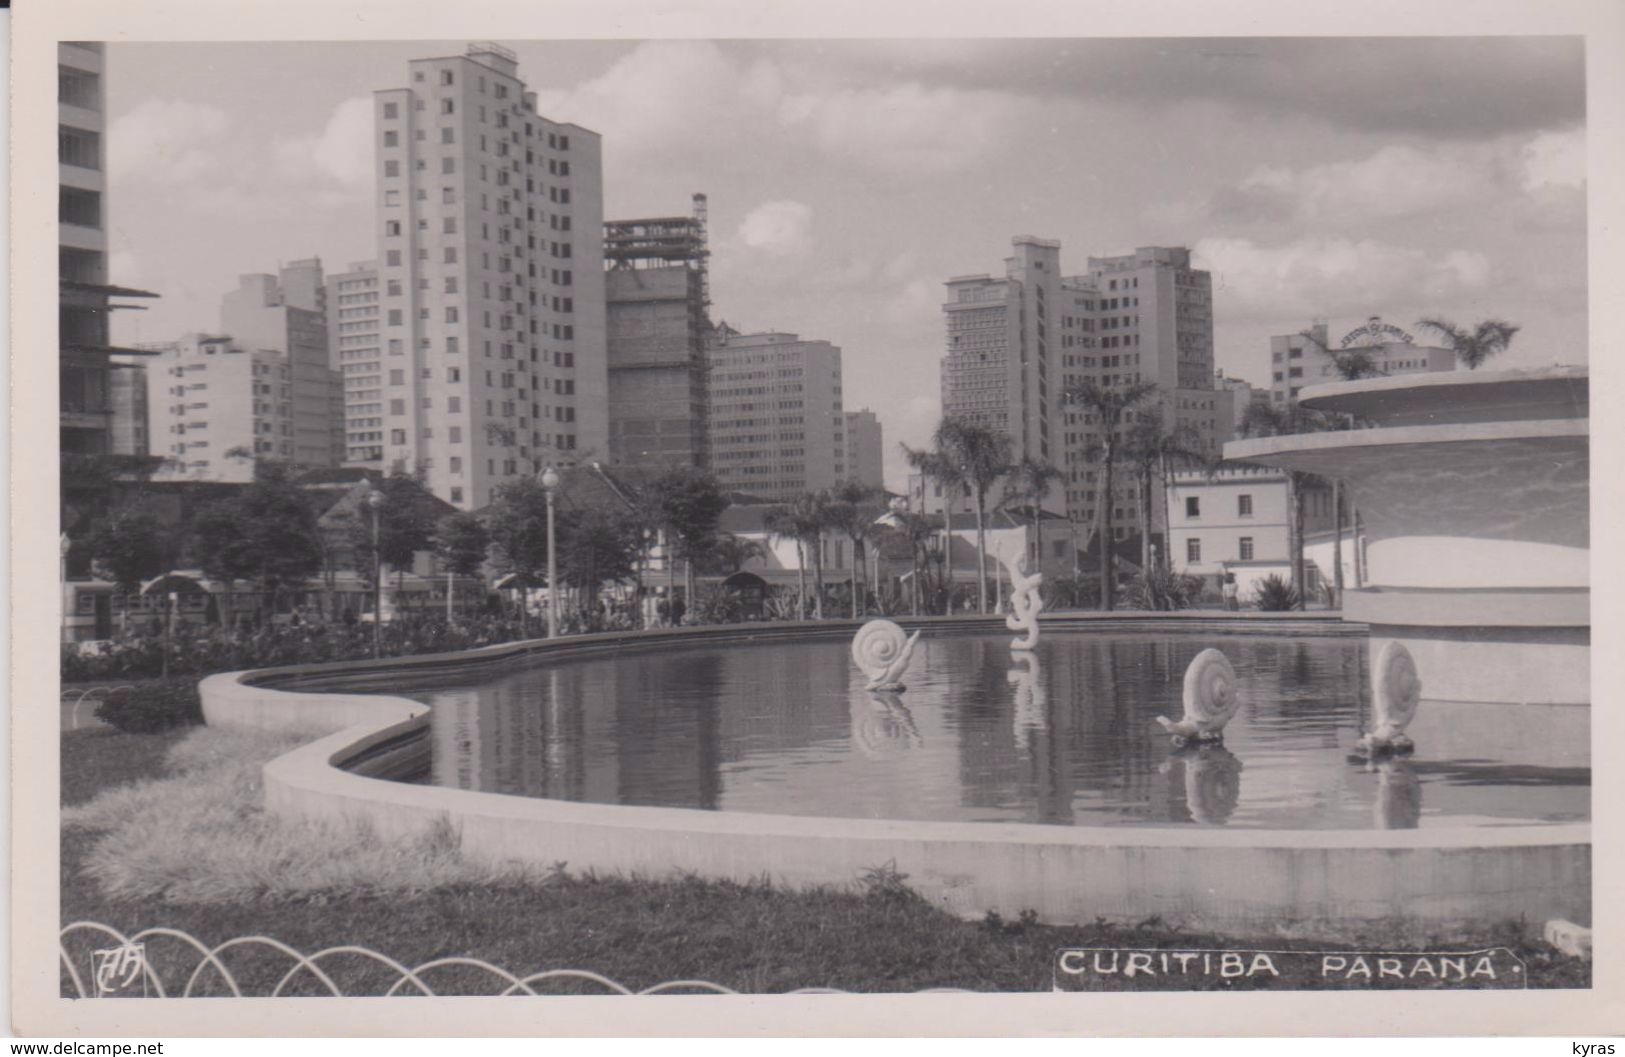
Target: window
394, 317
451, 284
392, 228
1246, 548
448, 226
1193, 506
1193, 551
397, 377
445, 77
77, 146
394, 287
448, 135
392, 138
451, 313
456, 434
392, 168
397, 436
397, 407
1244, 505
448, 165
448, 106
456, 494
393, 258
457, 464
391, 110
450, 255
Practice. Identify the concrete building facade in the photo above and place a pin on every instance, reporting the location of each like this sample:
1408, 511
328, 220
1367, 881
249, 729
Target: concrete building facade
777, 423
490, 238
86, 297
128, 400
657, 322
1297, 360
286, 313
216, 406
1016, 343
865, 448
355, 351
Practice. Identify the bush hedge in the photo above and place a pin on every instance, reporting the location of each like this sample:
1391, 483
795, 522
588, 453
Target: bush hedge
152, 708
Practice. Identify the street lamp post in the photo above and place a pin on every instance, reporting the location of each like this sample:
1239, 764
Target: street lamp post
375, 499
550, 482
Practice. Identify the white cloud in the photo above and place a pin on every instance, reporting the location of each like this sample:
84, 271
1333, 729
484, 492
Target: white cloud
1555, 161
342, 153
166, 141
1396, 181
1333, 277
664, 94
905, 128
779, 229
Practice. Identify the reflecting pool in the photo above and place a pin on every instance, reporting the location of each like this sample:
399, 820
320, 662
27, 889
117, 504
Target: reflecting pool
1064, 736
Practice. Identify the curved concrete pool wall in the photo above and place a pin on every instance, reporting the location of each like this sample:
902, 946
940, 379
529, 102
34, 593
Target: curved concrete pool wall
1321, 883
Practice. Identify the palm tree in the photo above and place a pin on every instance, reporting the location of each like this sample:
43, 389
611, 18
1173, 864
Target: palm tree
1352, 363
1266, 420
852, 510
803, 520
1110, 405
1154, 452
965, 455
1029, 482
1472, 347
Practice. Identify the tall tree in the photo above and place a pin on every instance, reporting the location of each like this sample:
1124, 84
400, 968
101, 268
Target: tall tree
597, 547
517, 523
727, 554
1473, 345
965, 455
1029, 483
1154, 453
803, 520
853, 507
407, 520
266, 534
688, 504
127, 547
461, 542
1267, 420
1112, 407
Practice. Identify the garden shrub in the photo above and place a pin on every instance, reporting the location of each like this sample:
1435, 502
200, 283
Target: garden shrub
152, 708
1272, 594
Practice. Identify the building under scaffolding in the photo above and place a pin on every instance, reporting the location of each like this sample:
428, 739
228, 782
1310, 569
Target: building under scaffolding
658, 319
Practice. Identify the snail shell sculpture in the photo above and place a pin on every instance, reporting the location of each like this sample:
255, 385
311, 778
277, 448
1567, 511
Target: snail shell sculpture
1210, 700
1396, 690
881, 651
1025, 602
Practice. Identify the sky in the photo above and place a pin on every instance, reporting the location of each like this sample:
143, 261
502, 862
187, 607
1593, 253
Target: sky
1316, 178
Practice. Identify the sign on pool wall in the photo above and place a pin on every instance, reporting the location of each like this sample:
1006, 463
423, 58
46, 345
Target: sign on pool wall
1171, 969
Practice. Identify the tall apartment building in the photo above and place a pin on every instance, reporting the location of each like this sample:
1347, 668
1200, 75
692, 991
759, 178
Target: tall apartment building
658, 320
215, 406
1297, 360
1015, 343
777, 425
490, 250
128, 400
286, 313
85, 366
355, 350
865, 449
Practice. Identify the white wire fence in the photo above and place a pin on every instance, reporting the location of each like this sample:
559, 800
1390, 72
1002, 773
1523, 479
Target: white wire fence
99, 961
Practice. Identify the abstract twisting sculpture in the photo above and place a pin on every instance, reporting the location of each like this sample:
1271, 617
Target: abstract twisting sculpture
1025, 600
1210, 700
1396, 690
881, 651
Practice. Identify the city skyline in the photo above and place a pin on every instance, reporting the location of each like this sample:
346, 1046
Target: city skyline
849, 180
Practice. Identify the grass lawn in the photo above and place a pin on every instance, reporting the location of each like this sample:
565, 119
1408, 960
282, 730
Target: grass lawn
874, 936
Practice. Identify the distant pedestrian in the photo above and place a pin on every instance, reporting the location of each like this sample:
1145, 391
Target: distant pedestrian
1231, 601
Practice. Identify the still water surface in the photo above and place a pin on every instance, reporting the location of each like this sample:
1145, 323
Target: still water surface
1065, 737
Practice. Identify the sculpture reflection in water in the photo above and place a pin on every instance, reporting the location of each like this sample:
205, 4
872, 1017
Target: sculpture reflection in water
1030, 715
1399, 794
1211, 775
882, 651
882, 724
1026, 601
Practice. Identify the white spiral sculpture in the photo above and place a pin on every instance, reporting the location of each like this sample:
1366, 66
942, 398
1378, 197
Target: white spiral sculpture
881, 650
1396, 690
1025, 601
1210, 700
